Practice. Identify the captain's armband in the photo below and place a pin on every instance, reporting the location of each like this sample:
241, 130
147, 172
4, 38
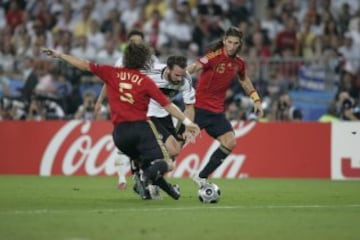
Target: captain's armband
254, 96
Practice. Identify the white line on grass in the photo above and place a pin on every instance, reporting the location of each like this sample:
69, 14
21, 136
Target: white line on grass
202, 207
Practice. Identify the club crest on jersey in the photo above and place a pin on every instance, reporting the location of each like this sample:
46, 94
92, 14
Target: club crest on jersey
204, 60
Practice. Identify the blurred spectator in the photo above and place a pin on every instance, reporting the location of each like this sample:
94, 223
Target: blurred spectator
131, 14
4, 84
239, 11
305, 39
286, 39
351, 53
346, 107
14, 15
154, 30
109, 54
65, 21
270, 24
43, 107
95, 38
344, 18
30, 76
284, 110
82, 49
355, 33
11, 109
179, 32
86, 110
82, 26
7, 56
158, 5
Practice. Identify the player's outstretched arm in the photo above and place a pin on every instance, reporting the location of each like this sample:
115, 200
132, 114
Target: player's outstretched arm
74, 61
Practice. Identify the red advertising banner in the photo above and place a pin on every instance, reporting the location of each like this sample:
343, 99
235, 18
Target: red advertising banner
264, 150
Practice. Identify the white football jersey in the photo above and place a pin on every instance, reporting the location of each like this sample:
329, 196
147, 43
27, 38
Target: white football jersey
169, 89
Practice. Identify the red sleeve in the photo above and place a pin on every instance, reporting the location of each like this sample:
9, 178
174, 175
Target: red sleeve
104, 72
155, 93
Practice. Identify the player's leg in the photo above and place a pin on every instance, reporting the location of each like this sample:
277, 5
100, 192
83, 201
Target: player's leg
218, 127
166, 130
122, 167
227, 143
126, 138
154, 169
172, 190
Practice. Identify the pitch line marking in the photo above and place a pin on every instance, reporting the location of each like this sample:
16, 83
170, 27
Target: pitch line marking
203, 207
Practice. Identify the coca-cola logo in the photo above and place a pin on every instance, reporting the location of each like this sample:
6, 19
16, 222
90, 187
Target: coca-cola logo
83, 152
75, 149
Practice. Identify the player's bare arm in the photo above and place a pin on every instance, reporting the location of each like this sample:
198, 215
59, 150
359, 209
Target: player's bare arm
194, 67
189, 125
100, 99
189, 111
248, 87
74, 61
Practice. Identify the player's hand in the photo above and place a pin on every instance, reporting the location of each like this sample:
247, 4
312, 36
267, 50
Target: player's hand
193, 130
51, 52
188, 137
258, 109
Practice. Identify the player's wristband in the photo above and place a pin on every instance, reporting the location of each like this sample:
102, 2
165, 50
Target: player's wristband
187, 121
254, 96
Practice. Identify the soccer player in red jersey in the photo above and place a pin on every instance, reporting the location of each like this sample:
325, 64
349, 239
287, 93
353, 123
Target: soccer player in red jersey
218, 69
129, 92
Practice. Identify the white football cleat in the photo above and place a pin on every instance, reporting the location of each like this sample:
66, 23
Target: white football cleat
200, 182
122, 186
154, 192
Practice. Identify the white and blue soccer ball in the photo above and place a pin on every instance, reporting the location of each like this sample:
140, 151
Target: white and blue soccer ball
209, 193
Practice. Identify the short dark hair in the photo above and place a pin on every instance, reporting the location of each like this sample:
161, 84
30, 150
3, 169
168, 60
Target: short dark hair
178, 60
137, 56
135, 32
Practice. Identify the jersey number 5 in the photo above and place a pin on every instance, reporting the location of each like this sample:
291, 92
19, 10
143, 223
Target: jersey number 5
125, 96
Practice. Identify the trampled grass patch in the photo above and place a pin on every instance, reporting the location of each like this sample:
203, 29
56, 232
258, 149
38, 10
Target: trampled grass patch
92, 208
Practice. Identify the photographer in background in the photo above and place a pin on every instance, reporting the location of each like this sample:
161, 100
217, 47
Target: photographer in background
43, 107
346, 107
285, 111
86, 110
11, 109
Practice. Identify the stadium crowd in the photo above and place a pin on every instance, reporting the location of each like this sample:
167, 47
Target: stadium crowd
291, 35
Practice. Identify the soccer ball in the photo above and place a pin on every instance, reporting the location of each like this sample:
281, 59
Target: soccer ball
209, 193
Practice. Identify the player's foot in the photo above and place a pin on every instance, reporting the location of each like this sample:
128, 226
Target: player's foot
140, 189
154, 192
200, 182
176, 191
122, 186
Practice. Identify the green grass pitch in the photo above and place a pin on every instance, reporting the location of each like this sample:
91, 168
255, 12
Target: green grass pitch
87, 208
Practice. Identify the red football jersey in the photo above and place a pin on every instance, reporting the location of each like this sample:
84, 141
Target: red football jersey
129, 92
217, 75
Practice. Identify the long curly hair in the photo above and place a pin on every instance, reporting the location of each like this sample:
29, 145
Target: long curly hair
233, 32
137, 56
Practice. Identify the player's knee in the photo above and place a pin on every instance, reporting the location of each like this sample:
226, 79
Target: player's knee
170, 164
228, 141
173, 146
231, 144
